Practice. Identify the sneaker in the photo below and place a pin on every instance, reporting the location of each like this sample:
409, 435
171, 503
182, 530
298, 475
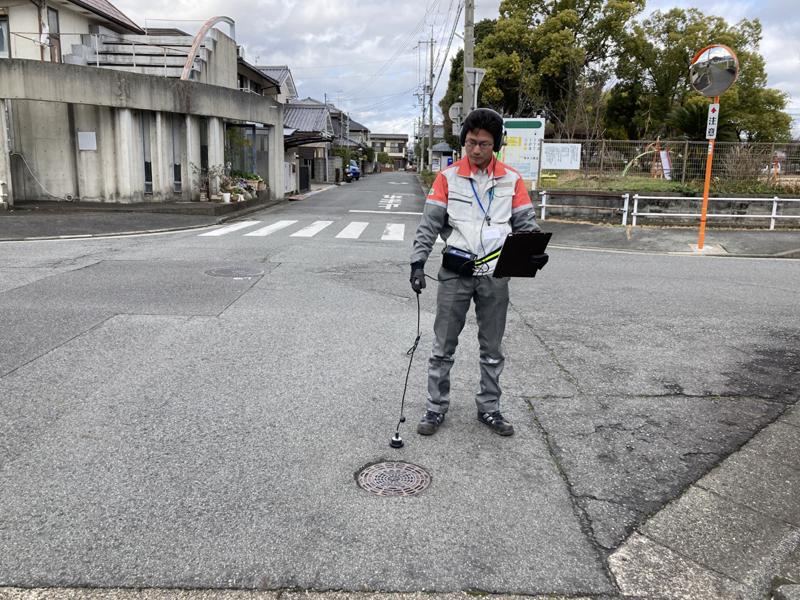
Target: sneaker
497, 422
430, 423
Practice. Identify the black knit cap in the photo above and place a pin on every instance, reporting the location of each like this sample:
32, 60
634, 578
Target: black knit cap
486, 119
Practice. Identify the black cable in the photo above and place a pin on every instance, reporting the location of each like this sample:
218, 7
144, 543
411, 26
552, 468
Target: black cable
410, 354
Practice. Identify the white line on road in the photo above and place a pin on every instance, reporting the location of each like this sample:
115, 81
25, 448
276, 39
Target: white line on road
383, 212
353, 231
271, 228
394, 232
230, 228
312, 229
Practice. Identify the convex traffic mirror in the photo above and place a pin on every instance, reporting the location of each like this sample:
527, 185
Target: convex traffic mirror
713, 70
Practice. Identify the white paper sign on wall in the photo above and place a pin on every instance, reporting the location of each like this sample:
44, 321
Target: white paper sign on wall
561, 157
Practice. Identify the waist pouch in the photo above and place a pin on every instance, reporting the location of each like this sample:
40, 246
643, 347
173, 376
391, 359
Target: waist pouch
459, 261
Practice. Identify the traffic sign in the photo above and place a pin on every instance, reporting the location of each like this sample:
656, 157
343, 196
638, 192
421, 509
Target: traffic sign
713, 121
455, 111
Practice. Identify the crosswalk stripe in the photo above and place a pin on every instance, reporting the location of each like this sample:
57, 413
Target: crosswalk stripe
394, 232
312, 229
271, 228
353, 231
230, 228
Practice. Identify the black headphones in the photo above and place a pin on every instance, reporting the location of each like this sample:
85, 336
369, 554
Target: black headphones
490, 120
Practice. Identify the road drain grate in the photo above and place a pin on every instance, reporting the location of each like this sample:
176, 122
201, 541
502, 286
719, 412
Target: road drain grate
394, 479
236, 272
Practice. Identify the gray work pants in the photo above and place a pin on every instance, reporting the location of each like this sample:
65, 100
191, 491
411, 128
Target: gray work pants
452, 304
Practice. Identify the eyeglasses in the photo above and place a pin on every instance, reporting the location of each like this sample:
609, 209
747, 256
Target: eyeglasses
481, 145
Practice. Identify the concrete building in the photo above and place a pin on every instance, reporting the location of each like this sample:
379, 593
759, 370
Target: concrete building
95, 110
395, 145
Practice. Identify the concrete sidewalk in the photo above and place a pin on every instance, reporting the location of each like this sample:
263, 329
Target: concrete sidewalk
46, 221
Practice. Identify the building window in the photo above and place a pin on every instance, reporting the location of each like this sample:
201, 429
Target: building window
148, 164
177, 151
55, 37
5, 41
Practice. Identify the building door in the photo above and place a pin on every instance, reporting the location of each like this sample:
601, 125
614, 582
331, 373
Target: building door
5, 40
55, 35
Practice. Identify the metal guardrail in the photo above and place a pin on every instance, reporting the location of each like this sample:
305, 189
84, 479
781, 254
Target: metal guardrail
626, 211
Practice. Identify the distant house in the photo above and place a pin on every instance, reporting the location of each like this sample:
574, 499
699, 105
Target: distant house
307, 131
131, 118
281, 74
393, 144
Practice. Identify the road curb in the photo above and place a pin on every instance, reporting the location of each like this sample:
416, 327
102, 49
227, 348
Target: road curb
729, 533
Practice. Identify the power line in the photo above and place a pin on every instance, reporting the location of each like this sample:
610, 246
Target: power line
449, 43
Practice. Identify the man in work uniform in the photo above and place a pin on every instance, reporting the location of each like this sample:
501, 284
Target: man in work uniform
473, 205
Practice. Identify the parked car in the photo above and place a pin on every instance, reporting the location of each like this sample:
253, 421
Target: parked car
352, 172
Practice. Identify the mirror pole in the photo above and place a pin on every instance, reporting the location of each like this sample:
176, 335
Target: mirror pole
706, 187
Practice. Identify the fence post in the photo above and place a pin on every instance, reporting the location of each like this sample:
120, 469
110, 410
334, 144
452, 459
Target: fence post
635, 209
627, 198
543, 194
134, 54
165, 62
602, 155
97, 50
685, 159
774, 212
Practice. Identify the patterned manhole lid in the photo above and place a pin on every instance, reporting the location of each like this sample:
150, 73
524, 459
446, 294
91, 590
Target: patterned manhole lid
394, 479
236, 272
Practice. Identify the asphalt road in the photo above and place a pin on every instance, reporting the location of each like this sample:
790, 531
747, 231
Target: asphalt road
163, 426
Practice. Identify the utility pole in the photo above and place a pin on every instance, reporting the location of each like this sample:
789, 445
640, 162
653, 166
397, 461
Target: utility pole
430, 108
469, 57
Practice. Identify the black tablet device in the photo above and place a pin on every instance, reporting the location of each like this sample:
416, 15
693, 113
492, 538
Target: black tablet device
515, 258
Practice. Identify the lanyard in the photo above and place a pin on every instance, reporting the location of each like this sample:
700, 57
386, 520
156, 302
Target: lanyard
491, 197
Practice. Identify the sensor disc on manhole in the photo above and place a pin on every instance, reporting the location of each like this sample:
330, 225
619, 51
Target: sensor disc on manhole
235, 272
394, 479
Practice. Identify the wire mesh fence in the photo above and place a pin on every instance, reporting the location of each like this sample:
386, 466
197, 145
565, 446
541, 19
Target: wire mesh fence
670, 165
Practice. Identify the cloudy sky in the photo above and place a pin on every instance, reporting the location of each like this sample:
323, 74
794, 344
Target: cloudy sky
367, 58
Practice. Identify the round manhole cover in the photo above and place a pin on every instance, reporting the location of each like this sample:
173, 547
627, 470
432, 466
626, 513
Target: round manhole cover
394, 479
236, 272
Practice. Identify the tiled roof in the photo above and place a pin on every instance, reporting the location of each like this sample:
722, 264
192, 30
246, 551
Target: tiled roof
305, 118
279, 73
389, 136
356, 126
441, 147
105, 9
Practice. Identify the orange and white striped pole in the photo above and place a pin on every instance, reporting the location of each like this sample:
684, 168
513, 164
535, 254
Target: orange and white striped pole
711, 134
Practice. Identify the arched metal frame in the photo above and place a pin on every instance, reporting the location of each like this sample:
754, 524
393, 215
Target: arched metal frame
200, 37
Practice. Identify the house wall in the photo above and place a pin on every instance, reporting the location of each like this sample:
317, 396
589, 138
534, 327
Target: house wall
42, 138
71, 24
6, 185
47, 118
222, 68
23, 19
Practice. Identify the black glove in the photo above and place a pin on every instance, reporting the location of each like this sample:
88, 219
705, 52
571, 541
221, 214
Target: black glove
539, 260
417, 277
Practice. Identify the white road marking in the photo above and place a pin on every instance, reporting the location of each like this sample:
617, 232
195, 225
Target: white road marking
230, 228
271, 228
353, 231
394, 232
383, 212
312, 229
388, 202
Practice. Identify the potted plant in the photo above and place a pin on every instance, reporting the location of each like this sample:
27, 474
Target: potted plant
238, 193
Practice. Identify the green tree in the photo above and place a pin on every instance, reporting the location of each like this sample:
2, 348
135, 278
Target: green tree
554, 57
653, 77
384, 158
455, 85
689, 121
